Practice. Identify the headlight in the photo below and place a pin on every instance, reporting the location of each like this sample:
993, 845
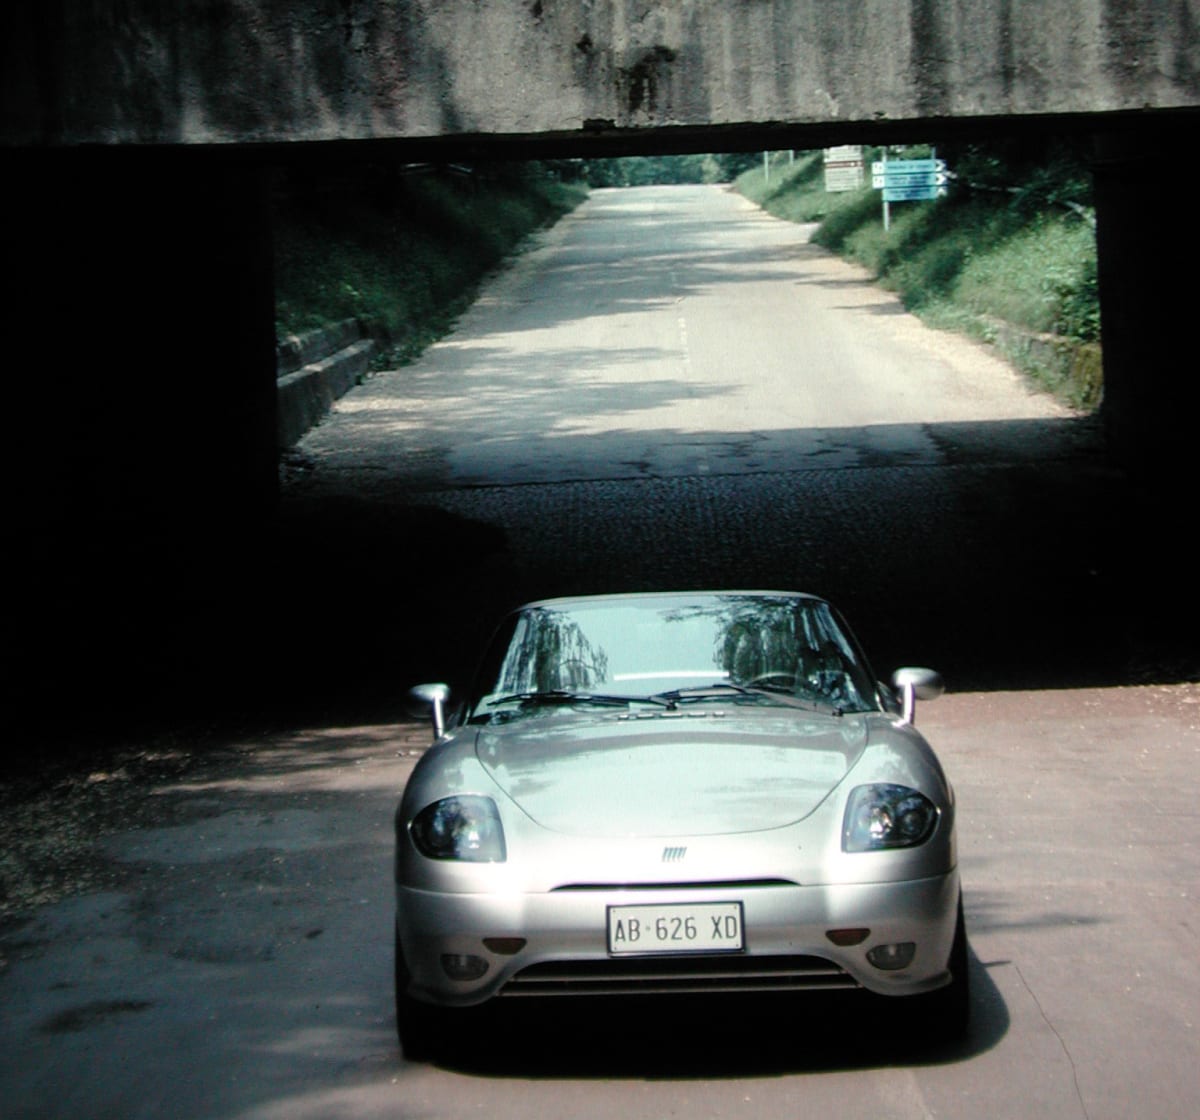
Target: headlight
887, 816
466, 827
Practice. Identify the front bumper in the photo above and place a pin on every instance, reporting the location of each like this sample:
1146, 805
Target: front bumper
565, 943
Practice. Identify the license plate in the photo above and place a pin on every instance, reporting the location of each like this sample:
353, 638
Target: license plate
691, 927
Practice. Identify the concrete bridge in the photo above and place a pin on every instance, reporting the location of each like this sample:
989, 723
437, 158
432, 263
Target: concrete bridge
136, 137
255, 71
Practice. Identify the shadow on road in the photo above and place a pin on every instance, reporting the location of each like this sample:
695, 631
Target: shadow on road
1021, 559
735, 1037
1018, 557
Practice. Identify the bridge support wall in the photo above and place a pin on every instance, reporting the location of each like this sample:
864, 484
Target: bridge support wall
133, 138
1148, 255
261, 71
142, 466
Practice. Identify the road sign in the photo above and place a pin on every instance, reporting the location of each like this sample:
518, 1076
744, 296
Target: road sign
848, 178
844, 167
909, 180
907, 166
844, 153
913, 193
879, 182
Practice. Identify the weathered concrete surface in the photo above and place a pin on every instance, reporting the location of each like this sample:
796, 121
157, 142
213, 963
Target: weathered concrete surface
139, 71
314, 369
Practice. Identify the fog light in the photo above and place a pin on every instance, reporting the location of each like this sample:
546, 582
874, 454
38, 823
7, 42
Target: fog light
845, 937
504, 946
463, 966
891, 957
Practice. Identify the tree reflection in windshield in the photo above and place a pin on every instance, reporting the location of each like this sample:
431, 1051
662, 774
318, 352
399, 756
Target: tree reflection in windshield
642, 645
550, 652
787, 643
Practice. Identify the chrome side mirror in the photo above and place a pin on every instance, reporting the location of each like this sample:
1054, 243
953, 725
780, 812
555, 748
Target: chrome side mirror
435, 695
916, 684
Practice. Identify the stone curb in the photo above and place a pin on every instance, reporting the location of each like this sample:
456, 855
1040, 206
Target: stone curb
313, 370
295, 351
1064, 361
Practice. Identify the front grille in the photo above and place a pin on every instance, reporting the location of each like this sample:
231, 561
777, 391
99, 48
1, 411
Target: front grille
684, 974
688, 885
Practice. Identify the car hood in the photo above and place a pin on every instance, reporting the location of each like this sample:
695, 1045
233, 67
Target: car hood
670, 775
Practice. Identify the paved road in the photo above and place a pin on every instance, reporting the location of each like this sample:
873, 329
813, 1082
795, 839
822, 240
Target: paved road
665, 333
676, 390
668, 417
238, 966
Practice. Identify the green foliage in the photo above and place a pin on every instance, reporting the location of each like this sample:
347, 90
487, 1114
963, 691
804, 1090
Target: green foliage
1040, 274
402, 248
794, 184
644, 171
851, 219
794, 189
1035, 171
1013, 242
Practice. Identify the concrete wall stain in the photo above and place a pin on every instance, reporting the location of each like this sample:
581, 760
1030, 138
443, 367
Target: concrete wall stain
643, 80
140, 71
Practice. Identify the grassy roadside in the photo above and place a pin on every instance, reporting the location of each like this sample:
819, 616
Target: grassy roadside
402, 248
1009, 256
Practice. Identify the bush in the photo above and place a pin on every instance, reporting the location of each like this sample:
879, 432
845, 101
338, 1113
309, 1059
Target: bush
1040, 275
642, 171
854, 224
1013, 241
795, 190
402, 248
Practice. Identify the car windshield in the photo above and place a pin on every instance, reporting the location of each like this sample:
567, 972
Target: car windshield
677, 649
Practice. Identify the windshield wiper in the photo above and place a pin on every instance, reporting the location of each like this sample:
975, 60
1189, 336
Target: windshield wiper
771, 692
562, 696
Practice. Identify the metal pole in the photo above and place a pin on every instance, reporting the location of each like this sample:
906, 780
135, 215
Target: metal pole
887, 206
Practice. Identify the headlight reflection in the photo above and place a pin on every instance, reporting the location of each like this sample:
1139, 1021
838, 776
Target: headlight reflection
466, 827
885, 816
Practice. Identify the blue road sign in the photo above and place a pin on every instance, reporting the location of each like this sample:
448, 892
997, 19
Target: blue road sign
908, 166
909, 180
912, 192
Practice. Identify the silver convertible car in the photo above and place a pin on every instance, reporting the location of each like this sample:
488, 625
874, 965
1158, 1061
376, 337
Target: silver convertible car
676, 793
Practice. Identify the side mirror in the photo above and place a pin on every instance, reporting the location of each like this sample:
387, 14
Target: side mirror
435, 695
916, 684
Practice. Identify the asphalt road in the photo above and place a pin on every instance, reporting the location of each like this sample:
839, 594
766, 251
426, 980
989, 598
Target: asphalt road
673, 389
670, 390
670, 332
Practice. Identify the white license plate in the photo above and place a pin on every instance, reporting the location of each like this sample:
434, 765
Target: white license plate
690, 927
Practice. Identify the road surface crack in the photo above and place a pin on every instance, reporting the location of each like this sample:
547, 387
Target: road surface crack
1061, 1041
